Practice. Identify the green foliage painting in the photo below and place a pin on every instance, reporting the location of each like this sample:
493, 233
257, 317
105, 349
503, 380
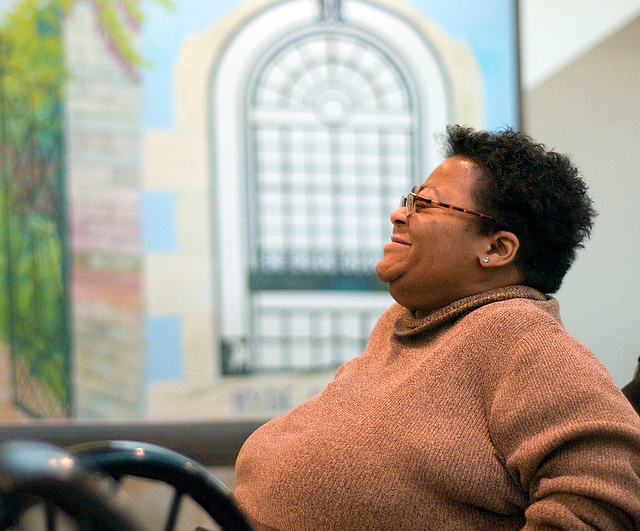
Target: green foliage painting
34, 296
34, 264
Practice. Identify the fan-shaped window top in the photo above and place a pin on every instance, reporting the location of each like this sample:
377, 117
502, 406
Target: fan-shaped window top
337, 77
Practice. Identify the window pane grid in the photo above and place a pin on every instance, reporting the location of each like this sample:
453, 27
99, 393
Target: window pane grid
333, 127
308, 339
341, 209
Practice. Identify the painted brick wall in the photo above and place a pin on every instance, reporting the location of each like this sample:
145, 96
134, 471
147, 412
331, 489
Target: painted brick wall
103, 187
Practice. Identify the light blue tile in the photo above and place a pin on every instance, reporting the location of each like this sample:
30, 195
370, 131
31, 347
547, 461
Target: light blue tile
160, 221
165, 352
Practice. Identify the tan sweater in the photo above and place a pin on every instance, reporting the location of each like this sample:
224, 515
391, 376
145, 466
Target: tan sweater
485, 415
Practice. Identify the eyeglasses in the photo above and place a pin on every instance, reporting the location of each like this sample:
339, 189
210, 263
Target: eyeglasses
409, 202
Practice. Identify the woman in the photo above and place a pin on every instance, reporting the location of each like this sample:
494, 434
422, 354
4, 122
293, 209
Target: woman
471, 407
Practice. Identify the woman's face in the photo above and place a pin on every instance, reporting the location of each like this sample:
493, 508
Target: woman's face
434, 254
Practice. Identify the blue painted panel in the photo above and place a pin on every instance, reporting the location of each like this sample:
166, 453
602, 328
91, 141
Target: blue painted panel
165, 352
160, 221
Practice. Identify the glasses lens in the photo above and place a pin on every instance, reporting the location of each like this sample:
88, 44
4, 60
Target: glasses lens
409, 204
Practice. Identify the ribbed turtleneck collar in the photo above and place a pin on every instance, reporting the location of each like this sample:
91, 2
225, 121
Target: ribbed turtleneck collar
408, 325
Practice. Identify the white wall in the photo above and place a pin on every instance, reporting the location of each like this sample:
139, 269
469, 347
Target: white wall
581, 96
555, 32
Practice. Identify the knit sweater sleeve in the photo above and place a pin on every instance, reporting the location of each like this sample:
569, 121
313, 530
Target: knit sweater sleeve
568, 437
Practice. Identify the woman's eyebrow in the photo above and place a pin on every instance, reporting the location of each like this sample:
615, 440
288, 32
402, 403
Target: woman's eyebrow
417, 189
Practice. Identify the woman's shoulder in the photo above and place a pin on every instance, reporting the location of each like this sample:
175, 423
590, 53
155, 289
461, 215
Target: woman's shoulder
528, 334
522, 331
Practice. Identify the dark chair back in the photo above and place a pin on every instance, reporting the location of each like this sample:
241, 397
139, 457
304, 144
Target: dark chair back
36, 476
632, 390
187, 477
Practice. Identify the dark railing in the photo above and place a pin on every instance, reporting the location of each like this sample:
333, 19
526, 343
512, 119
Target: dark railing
208, 443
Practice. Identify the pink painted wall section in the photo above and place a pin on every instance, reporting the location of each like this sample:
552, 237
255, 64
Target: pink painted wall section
107, 220
110, 287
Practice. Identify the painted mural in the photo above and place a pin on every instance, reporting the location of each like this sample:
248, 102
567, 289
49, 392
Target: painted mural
194, 194
36, 263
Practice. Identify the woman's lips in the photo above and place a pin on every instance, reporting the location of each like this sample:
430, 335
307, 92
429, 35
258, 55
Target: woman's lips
396, 239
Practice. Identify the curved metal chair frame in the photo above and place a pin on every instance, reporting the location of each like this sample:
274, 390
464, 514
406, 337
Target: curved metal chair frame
33, 473
187, 477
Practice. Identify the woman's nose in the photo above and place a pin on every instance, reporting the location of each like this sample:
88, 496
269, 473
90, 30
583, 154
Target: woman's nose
399, 216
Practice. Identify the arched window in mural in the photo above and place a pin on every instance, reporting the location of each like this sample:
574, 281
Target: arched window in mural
332, 141
300, 123
332, 126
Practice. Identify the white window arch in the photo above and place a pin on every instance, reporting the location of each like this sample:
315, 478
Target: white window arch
322, 115
333, 139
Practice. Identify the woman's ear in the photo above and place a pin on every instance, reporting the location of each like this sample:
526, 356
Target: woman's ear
501, 249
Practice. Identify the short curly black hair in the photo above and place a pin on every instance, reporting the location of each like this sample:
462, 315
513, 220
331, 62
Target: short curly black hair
535, 193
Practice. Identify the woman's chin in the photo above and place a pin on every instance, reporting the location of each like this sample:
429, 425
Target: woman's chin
385, 273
